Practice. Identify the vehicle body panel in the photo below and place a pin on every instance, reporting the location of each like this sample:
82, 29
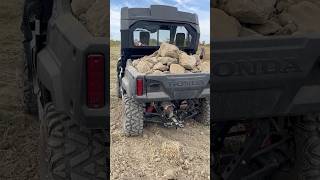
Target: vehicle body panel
61, 67
265, 77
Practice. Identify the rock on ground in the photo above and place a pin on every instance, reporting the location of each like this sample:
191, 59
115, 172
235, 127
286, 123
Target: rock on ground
171, 150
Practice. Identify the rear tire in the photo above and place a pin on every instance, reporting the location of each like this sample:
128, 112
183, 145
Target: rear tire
133, 116
68, 151
118, 88
204, 116
28, 99
119, 95
307, 139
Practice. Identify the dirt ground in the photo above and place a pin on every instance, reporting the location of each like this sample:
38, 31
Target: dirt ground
162, 153
181, 153
18, 132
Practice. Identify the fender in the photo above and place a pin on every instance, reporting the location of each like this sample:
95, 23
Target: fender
61, 66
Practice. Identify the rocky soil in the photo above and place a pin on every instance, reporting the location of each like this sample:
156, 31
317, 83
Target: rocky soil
162, 153
235, 18
18, 132
169, 59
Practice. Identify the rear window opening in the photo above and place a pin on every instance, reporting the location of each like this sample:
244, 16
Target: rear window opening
154, 34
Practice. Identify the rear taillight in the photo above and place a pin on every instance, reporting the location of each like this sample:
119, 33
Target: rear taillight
95, 81
139, 87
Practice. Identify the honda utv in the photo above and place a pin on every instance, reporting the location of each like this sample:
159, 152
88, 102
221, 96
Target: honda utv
168, 99
64, 82
266, 122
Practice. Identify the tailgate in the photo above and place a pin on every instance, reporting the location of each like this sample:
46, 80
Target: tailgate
266, 77
175, 87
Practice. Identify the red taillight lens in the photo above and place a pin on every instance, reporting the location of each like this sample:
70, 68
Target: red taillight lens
95, 81
139, 85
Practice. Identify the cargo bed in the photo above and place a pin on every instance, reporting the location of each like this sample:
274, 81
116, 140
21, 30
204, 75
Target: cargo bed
166, 87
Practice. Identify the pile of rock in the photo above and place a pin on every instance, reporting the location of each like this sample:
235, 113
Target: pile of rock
169, 59
239, 18
93, 14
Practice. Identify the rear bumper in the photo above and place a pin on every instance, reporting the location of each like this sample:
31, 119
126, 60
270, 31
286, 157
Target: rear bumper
162, 96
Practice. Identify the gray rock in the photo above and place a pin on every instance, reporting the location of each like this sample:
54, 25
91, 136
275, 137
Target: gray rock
283, 5
224, 26
167, 60
157, 72
285, 18
135, 62
289, 29
144, 66
169, 50
159, 66
97, 19
81, 6
306, 16
250, 11
151, 59
270, 27
204, 67
188, 62
176, 69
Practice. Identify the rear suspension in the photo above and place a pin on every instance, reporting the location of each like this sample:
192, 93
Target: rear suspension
172, 113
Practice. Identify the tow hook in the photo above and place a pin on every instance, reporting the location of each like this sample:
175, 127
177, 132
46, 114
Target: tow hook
170, 114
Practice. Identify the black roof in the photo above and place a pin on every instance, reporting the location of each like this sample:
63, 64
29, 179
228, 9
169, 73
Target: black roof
159, 13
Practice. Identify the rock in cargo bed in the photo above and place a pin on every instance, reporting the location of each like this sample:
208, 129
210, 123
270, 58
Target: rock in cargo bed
266, 77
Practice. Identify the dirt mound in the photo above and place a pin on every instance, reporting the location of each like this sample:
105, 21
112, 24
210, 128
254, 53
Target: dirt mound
169, 59
234, 18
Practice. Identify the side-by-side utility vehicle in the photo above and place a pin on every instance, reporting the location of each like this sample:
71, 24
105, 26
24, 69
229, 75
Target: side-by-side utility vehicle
165, 98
